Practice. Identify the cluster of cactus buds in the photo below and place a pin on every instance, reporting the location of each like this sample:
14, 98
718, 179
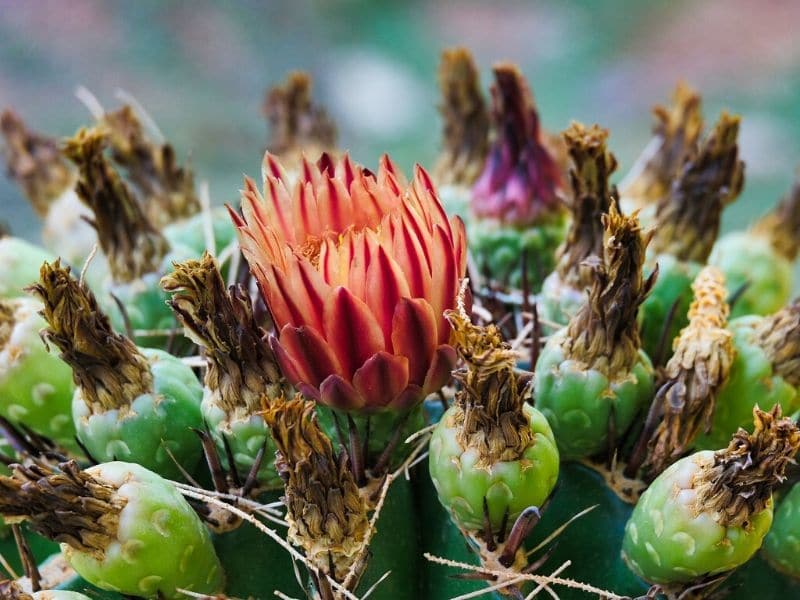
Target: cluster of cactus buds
305, 395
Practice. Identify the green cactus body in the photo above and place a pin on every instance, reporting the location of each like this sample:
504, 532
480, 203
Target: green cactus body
669, 539
21, 261
190, 233
156, 421
498, 248
508, 487
35, 384
674, 283
161, 545
246, 436
782, 546
580, 403
752, 381
748, 259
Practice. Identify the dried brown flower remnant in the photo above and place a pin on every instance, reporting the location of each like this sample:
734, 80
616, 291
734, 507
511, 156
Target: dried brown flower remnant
779, 336
167, 189
297, 125
739, 482
675, 132
326, 513
688, 218
35, 162
592, 165
65, 505
466, 120
782, 224
489, 408
10, 590
131, 244
604, 333
694, 375
107, 367
241, 367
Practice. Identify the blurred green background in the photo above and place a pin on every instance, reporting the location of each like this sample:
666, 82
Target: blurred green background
201, 68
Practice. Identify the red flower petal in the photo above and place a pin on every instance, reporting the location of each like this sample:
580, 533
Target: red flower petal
414, 336
338, 393
386, 285
381, 379
444, 361
351, 330
308, 356
446, 280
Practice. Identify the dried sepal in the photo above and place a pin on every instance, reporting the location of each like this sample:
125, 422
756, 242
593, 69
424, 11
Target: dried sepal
676, 132
466, 120
592, 165
327, 514
779, 336
488, 409
11, 590
64, 505
694, 375
297, 125
132, 245
738, 483
781, 225
604, 333
167, 189
241, 367
107, 367
34, 162
688, 218
6, 321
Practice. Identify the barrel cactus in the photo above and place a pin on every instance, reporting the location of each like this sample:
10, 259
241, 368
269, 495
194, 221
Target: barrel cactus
782, 546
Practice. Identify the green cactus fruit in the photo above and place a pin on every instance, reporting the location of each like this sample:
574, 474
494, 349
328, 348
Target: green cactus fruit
565, 289
191, 233
134, 404
592, 379
492, 454
782, 546
242, 375
676, 131
154, 428
764, 373
123, 528
21, 261
516, 201
761, 258
35, 385
686, 227
709, 512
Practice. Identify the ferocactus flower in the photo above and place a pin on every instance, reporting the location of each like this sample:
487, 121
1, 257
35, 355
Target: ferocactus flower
357, 269
516, 201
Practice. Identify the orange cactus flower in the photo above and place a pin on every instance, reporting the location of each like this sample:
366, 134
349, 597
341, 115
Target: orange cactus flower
357, 269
